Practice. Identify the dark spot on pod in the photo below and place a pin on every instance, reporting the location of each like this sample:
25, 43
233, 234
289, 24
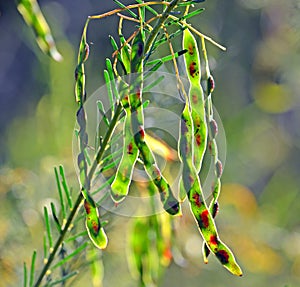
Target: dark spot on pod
197, 200
193, 69
140, 49
215, 209
76, 73
210, 146
214, 128
210, 84
204, 218
130, 148
87, 207
206, 251
197, 122
213, 239
223, 256
219, 168
198, 140
172, 207
191, 49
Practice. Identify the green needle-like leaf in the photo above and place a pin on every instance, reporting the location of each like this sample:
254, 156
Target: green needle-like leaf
25, 279
61, 198
32, 269
65, 186
109, 91
48, 227
57, 224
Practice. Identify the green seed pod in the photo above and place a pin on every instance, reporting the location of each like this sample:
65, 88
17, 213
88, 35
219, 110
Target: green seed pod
93, 224
198, 206
121, 183
170, 204
196, 97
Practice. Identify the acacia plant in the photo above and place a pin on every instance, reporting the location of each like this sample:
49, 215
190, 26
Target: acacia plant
130, 76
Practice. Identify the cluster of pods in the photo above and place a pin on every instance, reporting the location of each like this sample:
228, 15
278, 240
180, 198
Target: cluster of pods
198, 131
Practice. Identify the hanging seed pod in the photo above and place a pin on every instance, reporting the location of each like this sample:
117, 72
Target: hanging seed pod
170, 203
196, 97
93, 224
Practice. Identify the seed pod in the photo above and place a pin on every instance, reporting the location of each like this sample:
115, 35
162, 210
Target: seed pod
170, 204
198, 206
93, 224
196, 97
121, 183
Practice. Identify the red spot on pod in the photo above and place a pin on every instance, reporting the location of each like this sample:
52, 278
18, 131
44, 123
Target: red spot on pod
87, 207
195, 99
197, 200
223, 256
138, 94
204, 218
142, 133
130, 148
198, 140
96, 226
193, 69
213, 239
210, 84
219, 168
191, 49
214, 128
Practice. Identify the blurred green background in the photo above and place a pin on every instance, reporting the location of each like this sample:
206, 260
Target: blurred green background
257, 97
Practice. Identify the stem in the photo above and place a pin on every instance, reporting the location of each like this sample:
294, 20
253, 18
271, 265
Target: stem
158, 25
79, 199
59, 240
